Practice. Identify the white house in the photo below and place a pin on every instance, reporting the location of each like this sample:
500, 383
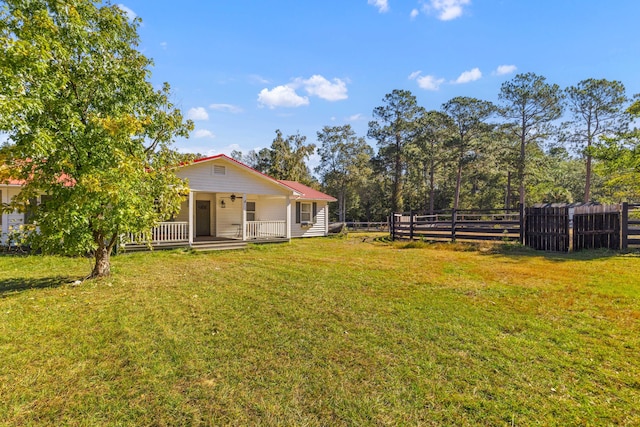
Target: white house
9, 221
228, 202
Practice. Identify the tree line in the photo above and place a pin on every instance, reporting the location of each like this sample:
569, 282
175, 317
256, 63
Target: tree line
539, 144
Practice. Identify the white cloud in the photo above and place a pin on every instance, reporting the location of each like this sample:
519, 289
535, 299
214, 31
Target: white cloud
197, 113
426, 82
469, 76
257, 79
447, 9
355, 117
414, 75
505, 69
227, 108
323, 88
316, 85
203, 133
429, 82
414, 13
281, 96
382, 5
131, 15
163, 45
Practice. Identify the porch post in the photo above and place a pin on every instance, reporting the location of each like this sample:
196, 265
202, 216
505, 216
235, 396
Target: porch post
244, 217
190, 218
288, 218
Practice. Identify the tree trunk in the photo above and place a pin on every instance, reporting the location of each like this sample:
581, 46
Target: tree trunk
587, 185
432, 186
507, 197
521, 165
396, 202
456, 199
102, 256
102, 266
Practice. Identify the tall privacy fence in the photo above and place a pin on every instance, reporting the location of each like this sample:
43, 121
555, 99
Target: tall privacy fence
550, 227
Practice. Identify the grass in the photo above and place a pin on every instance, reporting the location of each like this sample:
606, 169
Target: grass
335, 331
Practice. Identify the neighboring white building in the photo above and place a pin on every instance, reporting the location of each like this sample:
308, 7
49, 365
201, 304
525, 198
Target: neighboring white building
9, 221
228, 201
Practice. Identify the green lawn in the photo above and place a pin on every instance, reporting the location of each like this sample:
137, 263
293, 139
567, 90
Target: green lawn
324, 332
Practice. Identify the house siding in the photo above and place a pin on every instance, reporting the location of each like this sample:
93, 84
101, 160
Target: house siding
319, 228
9, 219
236, 180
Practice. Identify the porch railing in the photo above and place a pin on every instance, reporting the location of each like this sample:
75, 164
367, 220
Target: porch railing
265, 229
164, 232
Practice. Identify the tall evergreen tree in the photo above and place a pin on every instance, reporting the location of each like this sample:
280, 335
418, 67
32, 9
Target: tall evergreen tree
394, 129
468, 117
529, 106
597, 107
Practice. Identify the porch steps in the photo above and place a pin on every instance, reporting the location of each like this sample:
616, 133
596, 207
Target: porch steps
205, 245
219, 246
197, 246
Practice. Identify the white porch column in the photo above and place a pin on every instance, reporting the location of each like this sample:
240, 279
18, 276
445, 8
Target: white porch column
190, 218
244, 217
288, 220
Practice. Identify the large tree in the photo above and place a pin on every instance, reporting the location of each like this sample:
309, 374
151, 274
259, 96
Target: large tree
394, 129
469, 123
434, 131
344, 164
288, 158
597, 107
529, 106
620, 161
86, 127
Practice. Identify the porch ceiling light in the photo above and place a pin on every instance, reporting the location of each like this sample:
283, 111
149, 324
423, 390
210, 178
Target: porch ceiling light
233, 197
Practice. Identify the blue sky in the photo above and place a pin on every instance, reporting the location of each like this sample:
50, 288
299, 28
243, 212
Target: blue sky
243, 68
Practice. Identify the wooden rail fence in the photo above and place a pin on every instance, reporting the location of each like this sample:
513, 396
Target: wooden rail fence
551, 227
494, 224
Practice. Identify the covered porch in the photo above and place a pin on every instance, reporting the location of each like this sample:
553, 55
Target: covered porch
216, 218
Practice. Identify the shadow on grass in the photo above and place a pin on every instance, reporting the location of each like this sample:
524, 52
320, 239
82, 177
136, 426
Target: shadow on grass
14, 285
515, 250
583, 255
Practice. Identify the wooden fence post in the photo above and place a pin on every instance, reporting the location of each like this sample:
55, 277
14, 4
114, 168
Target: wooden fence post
392, 226
453, 225
522, 224
624, 226
411, 225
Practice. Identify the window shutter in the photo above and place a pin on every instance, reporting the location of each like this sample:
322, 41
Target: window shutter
315, 212
297, 212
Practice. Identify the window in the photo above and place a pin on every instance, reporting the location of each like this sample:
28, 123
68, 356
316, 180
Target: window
306, 212
251, 211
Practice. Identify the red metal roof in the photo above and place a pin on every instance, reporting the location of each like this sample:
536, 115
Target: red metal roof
308, 193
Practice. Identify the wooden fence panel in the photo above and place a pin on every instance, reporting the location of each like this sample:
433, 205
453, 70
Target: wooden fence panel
596, 227
631, 232
547, 228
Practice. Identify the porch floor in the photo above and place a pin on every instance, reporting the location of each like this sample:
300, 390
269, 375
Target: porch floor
203, 243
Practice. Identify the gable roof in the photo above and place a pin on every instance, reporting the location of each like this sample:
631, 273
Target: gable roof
231, 160
308, 193
301, 191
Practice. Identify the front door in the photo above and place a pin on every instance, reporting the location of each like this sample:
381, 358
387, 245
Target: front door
203, 218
